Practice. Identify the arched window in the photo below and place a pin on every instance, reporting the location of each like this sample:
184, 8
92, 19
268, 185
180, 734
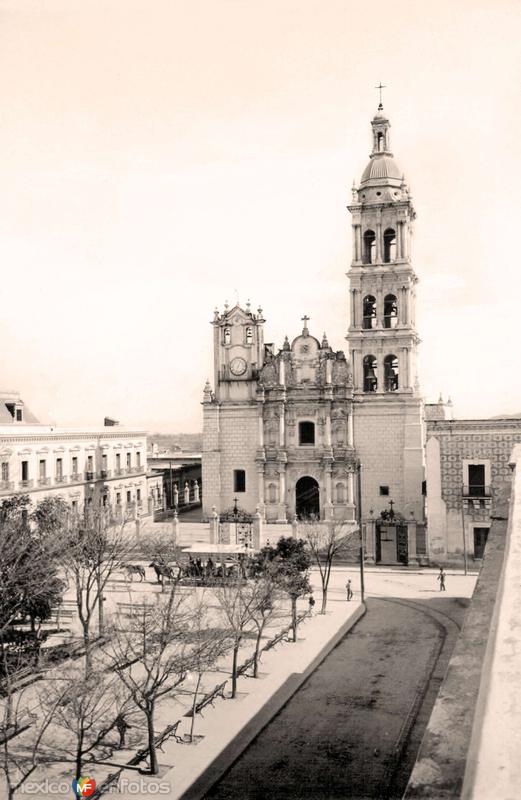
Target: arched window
369, 312
306, 433
340, 492
249, 335
370, 374
390, 311
391, 373
369, 247
227, 336
380, 142
389, 245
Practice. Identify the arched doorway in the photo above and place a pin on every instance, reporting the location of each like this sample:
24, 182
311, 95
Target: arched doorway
307, 497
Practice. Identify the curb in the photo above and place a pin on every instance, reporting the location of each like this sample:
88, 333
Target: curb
251, 729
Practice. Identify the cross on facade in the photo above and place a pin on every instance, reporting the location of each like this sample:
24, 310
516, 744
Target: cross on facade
391, 512
380, 87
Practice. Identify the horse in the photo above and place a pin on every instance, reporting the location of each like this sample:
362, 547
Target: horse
134, 569
162, 570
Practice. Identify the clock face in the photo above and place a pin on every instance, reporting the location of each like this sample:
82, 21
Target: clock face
237, 366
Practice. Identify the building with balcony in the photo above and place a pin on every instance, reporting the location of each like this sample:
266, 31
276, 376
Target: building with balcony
468, 480
88, 467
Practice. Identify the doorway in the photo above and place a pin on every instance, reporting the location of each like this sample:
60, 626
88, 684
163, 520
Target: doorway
307, 498
480, 540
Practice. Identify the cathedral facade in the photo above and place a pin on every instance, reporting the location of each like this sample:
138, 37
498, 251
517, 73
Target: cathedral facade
287, 431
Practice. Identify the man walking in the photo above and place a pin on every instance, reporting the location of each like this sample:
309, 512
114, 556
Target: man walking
349, 591
441, 578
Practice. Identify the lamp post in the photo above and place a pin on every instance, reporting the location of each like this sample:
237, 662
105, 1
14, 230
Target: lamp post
360, 534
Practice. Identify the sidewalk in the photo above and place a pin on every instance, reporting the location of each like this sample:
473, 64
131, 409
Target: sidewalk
189, 770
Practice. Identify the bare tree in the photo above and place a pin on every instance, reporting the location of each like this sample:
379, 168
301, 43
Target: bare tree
265, 611
326, 541
240, 603
150, 653
162, 549
84, 708
94, 549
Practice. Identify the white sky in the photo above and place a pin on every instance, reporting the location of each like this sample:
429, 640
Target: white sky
160, 154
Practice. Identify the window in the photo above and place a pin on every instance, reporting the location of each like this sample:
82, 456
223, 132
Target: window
74, 506
369, 312
389, 245
18, 414
25, 470
129, 460
239, 480
104, 461
138, 459
129, 497
306, 433
380, 142
42, 469
118, 462
5, 470
227, 336
138, 496
480, 540
104, 500
369, 256
390, 311
477, 487
384, 491
118, 498
59, 468
370, 374
249, 335
90, 463
391, 373
75, 465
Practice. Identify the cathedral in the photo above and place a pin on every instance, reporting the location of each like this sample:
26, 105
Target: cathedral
310, 430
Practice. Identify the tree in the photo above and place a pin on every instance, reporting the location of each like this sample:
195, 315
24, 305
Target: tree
86, 708
241, 604
22, 733
326, 541
150, 652
94, 549
287, 565
162, 549
265, 611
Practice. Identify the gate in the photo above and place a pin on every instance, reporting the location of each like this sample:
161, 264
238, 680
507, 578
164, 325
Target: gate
236, 527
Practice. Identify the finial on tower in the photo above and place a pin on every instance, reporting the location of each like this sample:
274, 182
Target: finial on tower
305, 320
380, 87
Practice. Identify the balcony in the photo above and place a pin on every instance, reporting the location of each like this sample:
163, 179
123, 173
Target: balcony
26, 484
60, 479
119, 471
104, 474
89, 475
6, 486
43, 481
477, 491
75, 477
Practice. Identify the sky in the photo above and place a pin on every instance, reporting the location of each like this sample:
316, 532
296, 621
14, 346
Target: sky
160, 157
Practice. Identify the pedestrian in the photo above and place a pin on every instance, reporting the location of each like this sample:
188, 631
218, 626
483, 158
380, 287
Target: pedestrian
122, 726
441, 578
311, 603
349, 591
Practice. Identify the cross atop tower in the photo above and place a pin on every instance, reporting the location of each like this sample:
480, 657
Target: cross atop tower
305, 320
380, 87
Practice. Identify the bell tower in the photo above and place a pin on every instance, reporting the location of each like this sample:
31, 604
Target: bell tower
382, 332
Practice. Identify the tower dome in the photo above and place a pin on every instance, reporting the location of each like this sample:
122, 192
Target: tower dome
381, 167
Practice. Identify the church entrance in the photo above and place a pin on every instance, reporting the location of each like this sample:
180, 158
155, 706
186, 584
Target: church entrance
392, 545
307, 498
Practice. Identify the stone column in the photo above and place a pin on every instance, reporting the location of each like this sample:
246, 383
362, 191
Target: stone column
379, 238
351, 488
350, 432
328, 427
261, 426
399, 255
257, 528
281, 426
411, 542
214, 526
370, 540
281, 517
328, 511
359, 242
282, 372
